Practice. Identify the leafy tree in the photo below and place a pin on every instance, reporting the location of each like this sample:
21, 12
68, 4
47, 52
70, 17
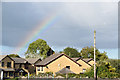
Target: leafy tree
115, 63
38, 48
105, 70
14, 55
88, 52
71, 52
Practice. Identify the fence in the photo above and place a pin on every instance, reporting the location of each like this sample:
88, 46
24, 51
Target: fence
65, 79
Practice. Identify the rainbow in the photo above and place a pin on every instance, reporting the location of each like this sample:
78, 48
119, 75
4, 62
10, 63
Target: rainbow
43, 26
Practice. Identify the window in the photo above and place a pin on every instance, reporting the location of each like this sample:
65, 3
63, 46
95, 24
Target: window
20, 65
6, 74
2, 64
10, 73
68, 67
84, 70
9, 64
38, 69
26, 66
41, 68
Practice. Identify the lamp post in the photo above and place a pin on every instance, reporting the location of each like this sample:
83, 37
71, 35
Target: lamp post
94, 55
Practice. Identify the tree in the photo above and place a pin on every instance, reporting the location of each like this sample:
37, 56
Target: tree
115, 63
104, 70
38, 48
14, 55
71, 52
88, 52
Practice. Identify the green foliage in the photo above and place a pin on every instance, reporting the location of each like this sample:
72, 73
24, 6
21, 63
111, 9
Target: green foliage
71, 75
38, 48
89, 73
115, 63
105, 70
14, 55
47, 74
71, 52
88, 52
31, 75
63, 75
41, 75
13, 79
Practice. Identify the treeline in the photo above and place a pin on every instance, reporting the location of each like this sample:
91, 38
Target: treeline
106, 68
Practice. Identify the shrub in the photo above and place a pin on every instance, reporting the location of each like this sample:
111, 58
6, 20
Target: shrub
12, 79
63, 75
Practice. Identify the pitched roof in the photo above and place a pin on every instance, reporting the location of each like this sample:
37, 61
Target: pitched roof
84, 60
19, 60
88, 59
2, 56
64, 71
33, 60
52, 58
74, 59
8, 69
21, 70
49, 59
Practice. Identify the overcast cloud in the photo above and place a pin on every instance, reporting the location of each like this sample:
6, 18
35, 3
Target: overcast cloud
74, 27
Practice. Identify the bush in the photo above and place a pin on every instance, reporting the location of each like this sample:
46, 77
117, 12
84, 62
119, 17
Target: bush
63, 75
47, 74
71, 75
12, 79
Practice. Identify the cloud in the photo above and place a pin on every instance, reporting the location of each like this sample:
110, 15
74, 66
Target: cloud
78, 20
74, 28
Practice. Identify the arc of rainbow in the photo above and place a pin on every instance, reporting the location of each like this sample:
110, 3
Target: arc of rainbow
46, 24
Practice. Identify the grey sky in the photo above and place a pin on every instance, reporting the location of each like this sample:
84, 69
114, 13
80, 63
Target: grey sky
74, 27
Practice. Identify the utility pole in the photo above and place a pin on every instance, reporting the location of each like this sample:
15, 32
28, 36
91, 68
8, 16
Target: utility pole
94, 55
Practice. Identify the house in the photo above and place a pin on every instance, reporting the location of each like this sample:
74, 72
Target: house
16, 67
57, 62
89, 60
21, 67
86, 63
7, 65
32, 62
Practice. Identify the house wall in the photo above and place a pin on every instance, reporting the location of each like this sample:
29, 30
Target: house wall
5, 60
7, 74
84, 64
91, 62
17, 65
59, 64
31, 68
